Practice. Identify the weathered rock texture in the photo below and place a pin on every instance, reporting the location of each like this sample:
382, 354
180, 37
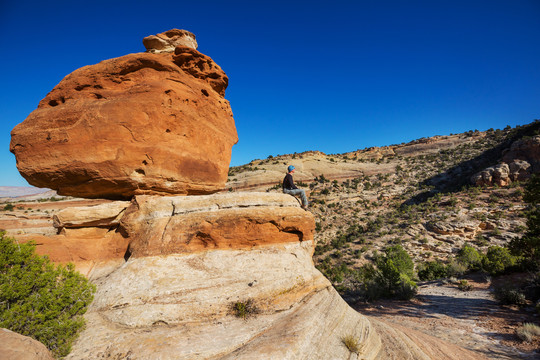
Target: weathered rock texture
169, 40
193, 258
172, 225
517, 164
139, 124
15, 346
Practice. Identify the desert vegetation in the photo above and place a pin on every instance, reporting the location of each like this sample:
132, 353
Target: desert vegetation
39, 299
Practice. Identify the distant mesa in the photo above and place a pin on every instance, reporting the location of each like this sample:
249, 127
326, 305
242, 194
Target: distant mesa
141, 124
167, 41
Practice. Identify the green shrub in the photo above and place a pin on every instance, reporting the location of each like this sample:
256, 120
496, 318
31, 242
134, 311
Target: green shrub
528, 246
40, 300
395, 271
469, 257
406, 289
456, 268
8, 207
464, 285
497, 260
509, 296
432, 270
399, 258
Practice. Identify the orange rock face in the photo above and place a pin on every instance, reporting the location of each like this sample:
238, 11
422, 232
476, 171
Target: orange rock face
180, 225
142, 123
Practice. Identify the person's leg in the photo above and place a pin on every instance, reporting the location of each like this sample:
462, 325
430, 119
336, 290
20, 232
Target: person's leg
299, 192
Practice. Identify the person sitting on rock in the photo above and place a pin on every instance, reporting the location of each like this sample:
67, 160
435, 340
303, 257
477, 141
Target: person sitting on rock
291, 189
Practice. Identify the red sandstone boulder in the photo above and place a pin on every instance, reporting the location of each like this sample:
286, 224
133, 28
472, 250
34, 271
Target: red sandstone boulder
142, 123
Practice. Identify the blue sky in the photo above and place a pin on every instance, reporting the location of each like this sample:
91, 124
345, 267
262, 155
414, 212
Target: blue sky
333, 76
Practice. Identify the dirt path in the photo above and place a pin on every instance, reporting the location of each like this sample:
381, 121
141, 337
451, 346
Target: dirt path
472, 319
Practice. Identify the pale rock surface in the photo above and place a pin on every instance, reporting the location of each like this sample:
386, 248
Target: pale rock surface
167, 41
173, 298
142, 123
15, 346
103, 215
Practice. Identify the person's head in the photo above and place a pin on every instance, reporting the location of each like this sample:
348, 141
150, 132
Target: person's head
290, 169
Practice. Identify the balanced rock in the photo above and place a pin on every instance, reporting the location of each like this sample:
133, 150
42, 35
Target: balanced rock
142, 123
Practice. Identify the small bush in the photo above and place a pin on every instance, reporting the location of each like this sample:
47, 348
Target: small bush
432, 270
351, 343
244, 309
40, 300
456, 268
497, 260
527, 332
469, 257
509, 296
464, 285
406, 289
8, 207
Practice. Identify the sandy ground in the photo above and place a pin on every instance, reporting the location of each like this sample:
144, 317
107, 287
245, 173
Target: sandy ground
472, 319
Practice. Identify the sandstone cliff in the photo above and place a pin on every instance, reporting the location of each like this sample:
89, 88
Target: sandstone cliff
191, 259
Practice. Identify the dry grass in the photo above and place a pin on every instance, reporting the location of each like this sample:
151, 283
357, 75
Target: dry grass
351, 343
528, 331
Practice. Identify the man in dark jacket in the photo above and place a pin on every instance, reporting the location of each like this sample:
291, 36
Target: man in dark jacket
291, 189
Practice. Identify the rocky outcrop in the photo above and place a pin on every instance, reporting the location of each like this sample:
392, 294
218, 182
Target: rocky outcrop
527, 149
518, 163
139, 124
104, 215
169, 40
162, 226
194, 261
14, 346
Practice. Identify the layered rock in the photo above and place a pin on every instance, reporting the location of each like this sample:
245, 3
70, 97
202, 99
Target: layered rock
142, 123
194, 259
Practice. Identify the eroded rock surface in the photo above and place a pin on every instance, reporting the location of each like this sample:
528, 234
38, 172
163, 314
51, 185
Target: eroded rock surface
173, 225
193, 258
139, 124
167, 41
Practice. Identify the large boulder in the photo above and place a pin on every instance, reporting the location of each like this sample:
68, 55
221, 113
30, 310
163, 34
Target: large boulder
145, 123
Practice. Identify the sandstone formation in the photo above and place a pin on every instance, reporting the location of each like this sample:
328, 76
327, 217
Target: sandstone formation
162, 226
104, 215
191, 259
15, 346
142, 123
169, 40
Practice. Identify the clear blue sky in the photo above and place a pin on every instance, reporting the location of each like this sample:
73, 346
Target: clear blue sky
333, 76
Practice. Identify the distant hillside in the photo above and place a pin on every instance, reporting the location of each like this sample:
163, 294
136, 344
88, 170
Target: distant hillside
419, 195
16, 191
